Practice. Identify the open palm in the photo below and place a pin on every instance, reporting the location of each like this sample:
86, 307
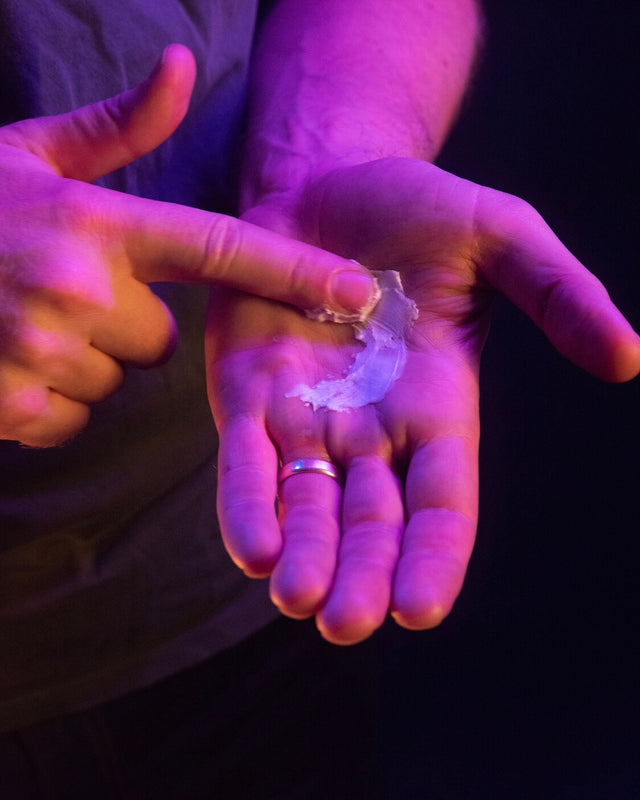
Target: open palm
399, 535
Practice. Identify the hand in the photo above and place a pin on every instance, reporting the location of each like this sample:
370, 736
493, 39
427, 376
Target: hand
400, 535
75, 258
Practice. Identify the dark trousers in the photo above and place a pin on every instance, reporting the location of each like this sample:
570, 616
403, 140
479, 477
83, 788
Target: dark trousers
284, 715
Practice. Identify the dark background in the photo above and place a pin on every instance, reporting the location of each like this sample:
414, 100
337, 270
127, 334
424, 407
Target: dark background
529, 689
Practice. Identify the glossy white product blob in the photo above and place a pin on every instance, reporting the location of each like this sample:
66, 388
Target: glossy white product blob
380, 363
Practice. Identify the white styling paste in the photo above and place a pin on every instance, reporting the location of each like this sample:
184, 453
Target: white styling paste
380, 363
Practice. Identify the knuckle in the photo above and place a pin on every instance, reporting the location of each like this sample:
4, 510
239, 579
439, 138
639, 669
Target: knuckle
522, 209
38, 350
223, 244
72, 292
68, 206
42, 351
61, 267
34, 415
504, 216
20, 410
299, 273
375, 544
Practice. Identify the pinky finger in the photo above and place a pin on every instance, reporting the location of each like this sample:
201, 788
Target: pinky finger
39, 417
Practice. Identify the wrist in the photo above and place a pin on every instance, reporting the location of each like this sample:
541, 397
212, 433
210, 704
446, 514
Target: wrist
338, 84
279, 173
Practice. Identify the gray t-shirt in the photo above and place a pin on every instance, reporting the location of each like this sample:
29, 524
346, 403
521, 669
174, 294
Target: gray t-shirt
112, 572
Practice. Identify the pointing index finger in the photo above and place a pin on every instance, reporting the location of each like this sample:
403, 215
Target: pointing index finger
168, 242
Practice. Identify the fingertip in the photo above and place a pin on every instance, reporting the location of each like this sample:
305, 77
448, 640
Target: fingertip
254, 553
353, 294
425, 591
166, 94
346, 632
625, 362
176, 53
298, 588
253, 565
256, 569
610, 350
422, 618
178, 64
351, 617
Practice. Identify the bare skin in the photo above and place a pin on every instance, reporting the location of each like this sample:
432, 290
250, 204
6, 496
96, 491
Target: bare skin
75, 258
359, 100
399, 538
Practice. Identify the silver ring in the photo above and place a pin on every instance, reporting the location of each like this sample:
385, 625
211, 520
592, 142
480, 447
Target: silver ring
317, 465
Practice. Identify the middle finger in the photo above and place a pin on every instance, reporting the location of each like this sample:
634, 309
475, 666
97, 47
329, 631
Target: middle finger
372, 522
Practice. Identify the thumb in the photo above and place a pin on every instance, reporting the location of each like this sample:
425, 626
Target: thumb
530, 266
94, 140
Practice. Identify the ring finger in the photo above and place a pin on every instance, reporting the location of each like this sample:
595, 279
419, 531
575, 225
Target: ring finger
310, 502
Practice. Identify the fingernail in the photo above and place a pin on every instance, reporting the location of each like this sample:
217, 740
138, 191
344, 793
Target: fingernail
355, 292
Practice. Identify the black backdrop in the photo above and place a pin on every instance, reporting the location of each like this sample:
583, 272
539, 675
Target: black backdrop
529, 689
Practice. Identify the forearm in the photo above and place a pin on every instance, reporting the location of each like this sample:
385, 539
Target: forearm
336, 83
